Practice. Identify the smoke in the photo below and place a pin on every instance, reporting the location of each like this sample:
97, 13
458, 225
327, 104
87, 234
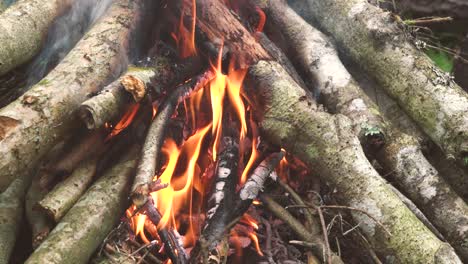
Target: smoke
64, 34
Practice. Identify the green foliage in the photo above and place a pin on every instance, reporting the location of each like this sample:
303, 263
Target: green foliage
371, 130
442, 59
465, 160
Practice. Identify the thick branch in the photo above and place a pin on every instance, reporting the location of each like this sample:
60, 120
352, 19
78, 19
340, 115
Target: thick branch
32, 124
327, 143
368, 35
88, 222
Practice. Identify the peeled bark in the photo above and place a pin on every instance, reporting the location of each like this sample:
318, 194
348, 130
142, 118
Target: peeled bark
327, 143
64, 195
88, 222
11, 216
23, 29
373, 40
33, 123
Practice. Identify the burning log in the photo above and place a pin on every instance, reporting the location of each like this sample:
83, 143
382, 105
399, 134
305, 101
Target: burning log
87, 223
11, 216
112, 101
151, 149
64, 195
374, 41
326, 143
32, 124
402, 156
221, 201
24, 27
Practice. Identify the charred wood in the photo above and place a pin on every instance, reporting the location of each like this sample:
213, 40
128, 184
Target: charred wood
151, 149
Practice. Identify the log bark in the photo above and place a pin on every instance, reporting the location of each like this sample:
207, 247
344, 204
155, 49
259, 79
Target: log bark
151, 149
65, 194
11, 216
327, 143
38, 221
315, 55
112, 101
215, 23
88, 222
31, 125
453, 8
418, 179
402, 156
23, 28
371, 38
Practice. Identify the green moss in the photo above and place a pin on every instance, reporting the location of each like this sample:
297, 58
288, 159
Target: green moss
43, 82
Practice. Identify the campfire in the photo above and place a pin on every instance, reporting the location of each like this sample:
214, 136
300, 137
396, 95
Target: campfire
209, 131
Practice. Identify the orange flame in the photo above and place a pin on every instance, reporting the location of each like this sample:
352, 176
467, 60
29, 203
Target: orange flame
125, 121
185, 39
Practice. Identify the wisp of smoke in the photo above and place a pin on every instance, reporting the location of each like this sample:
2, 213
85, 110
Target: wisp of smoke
64, 34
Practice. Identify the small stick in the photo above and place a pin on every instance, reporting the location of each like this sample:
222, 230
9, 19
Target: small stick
427, 20
151, 149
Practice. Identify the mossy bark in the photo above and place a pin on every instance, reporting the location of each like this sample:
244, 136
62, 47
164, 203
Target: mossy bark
373, 39
64, 195
23, 29
315, 55
326, 142
88, 222
11, 216
33, 123
418, 179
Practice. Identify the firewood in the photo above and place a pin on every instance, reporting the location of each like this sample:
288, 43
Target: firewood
11, 216
151, 149
221, 201
89, 145
33, 123
315, 55
24, 27
298, 228
57, 202
87, 223
112, 101
374, 40
327, 144
38, 220
402, 155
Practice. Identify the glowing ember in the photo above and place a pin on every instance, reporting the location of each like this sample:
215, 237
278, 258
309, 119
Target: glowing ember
125, 121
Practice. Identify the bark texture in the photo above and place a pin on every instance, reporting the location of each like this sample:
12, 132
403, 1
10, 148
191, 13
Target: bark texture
23, 28
11, 216
31, 125
418, 179
315, 55
88, 222
328, 144
64, 195
373, 40
403, 156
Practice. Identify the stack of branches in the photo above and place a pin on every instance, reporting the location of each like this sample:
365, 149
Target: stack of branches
409, 130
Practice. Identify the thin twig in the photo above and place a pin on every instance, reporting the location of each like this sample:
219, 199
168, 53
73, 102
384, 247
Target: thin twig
325, 234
